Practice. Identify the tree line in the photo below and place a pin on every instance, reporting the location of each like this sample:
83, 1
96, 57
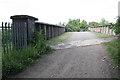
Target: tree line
75, 25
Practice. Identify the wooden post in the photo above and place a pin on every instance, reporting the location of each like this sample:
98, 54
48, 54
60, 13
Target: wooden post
23, 28
52, 32
45, 32
37, 27
49, 32
57, 31
108, 29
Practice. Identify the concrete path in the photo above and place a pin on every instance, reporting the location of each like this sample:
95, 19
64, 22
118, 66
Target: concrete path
85, 57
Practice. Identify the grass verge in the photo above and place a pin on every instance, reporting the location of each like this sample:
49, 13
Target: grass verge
114, 51
61, 38
100, 35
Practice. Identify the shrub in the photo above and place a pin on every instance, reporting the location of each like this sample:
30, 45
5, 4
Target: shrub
40, 44
117, 26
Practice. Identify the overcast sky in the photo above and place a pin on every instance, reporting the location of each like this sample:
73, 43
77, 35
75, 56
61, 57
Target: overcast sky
55, 11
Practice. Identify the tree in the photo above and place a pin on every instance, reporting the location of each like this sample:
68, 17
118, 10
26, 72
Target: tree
117, 26
103, 22
83, 25
76, 25
61, 24
93, 24
73, 25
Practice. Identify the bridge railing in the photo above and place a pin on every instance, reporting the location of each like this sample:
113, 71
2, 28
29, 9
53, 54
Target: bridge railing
22, 29
49, 30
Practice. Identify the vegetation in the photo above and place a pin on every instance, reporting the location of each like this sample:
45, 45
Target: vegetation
93, 24
17, 60
100, 35
114, 46
75, 25
114, 51
61, 24
117, 26
61, 38
104, 22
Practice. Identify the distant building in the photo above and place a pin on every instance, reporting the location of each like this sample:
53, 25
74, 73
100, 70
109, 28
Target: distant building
102, 29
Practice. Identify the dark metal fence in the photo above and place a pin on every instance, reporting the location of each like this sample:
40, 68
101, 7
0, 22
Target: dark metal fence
6, 37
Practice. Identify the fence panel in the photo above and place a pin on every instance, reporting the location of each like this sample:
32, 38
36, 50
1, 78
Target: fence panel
19, 35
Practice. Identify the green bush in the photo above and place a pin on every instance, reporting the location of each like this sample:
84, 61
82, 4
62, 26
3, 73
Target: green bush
16, 60
40, 44
117, 26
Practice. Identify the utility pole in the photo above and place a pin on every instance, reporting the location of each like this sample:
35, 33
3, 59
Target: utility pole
119, 8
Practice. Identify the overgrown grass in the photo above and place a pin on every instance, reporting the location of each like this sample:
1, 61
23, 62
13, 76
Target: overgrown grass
61, 38
17, 60
100, 35
114, 51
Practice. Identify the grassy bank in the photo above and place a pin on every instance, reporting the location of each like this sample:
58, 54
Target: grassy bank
114, 51
61, 38
17, 60
100, 35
